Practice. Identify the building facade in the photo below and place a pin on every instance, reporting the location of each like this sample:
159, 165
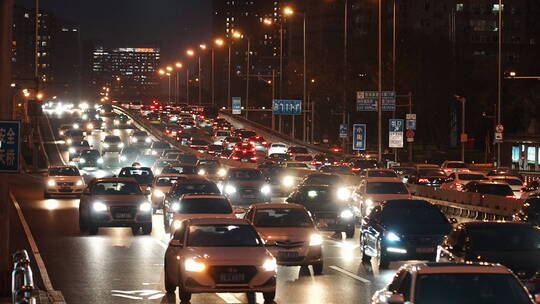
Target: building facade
130, 72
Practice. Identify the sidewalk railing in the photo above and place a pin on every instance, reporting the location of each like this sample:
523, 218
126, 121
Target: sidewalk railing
22, 282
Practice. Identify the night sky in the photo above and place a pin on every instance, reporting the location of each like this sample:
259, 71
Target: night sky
173, 24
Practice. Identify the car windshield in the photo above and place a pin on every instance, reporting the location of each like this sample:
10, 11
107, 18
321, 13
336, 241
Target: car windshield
495, 189
298, 150
81, 144
233, 139
141, 175
76, 134
164, 181
381, 173
244, 175
223, 236
112, 139
413, 215
386, 188
281, 217
469, 288
510, 181
318, 195
336, 169
90, 153
223, 133
297, 165
471, 176
504, 238
173, 169
160, 146
208, 163
200, 188
65, 171
188, 159
303, 158
116, 188
431, 172
323, 179
456, 165
205, 205
140, 133
127, 151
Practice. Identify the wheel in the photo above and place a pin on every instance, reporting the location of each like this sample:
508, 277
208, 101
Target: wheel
135, 229
269, 296
382, 259
147, 229
365, 258
46, 195
92, 228
169, 286
185, 297
83, 226
318, 268
251, 298
349, 233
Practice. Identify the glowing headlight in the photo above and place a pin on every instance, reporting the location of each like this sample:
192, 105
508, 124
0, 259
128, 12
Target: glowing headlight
270, 265
288, 181
176, 225
82, 160
265, 189
51, 183
123, 158
145, 207
343, 193
222, 172
69, 141
75, 126
85, 116
134, 139
158, 193
202, 172
369, 202
72, 150
100, 160
116, 122
315, 240
230, 189
61, 133
148, 140
120, 145
346, 214
79, 183
392, 237
99, 207
175, 207
194, 266
154, 152
90, 126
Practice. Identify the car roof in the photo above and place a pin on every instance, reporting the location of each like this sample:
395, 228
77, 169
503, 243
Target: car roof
276, 206
434, 268
218, 221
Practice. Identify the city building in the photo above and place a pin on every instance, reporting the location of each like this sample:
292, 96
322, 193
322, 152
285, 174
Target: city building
130, 72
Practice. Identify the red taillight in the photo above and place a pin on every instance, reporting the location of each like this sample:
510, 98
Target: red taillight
336, 150
253, 158
423, 180
252, 149
459, 186
264, 143
356, 169
447, 170
168, 131
244, 151
235, 158
511, 196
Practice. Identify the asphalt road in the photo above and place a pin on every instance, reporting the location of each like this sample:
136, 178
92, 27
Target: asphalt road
117, 267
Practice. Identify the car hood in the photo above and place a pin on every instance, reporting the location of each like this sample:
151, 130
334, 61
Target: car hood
120, 199
247, 183
419, 229
61, 179
286, 233
230, 255
517, 261
324, 206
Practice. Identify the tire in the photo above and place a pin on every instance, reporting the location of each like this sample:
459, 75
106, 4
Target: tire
269, 296
147, 229
169, 286
135, 229
251, 298
365, 258
318, 268
349, 233
382, 259
83, 225
92, 228
185, 297
166, 222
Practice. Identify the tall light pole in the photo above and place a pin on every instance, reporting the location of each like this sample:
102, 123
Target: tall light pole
234, 35
189, 53
178, 66
219, 43
248, 68
169, 71
499, 77
203, 48
345, 63
379, 105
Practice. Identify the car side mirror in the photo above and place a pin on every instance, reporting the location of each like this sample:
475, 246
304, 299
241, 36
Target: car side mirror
453, 220
176, 243
396, 298
146, 192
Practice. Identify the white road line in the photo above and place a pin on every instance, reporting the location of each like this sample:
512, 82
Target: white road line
39, 261
162, 244
228, 298
350, 274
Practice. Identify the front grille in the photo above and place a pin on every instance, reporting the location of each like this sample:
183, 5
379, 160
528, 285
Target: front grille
65, 184
423, 240
123, 212
65, 190
289, 244
248, 190
232, 274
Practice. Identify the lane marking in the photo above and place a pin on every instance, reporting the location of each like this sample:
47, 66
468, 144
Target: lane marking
351, 275
229, 298
161, 243
37, 255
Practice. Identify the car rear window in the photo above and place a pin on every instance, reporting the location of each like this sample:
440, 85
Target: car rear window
223, 236
456, 165
67, 171
495, 189
205, 205
298, 150
469, 177
303, 158
382, 173
282, 217
386, 188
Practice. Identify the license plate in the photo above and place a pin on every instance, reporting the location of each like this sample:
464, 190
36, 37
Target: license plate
123, 215
250, 196
232, 277
425, 250
287, 254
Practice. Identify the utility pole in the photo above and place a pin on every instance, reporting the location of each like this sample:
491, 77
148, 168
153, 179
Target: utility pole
247, 74
345, 63
379, 103
499, 78
6, 24
305, 79
200, 81
273, 97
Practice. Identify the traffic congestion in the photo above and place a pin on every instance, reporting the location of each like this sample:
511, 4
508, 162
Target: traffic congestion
238, 210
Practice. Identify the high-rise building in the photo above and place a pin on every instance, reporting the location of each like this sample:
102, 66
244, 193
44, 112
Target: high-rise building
130, 71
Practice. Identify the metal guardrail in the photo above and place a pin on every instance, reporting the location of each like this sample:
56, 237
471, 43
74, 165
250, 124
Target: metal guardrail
22, 281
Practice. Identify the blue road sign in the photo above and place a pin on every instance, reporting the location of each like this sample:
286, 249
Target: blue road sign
359, 137
366, 101
237, 105
287, 107
343, 130
10, 142
396, 125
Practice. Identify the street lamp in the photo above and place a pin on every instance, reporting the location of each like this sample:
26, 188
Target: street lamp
203, 48
178, 65
499, 78
219, 43
189, 53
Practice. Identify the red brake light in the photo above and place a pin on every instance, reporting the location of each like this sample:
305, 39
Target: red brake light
423, 180
459, 186
511, 196
235, 157
253, 158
